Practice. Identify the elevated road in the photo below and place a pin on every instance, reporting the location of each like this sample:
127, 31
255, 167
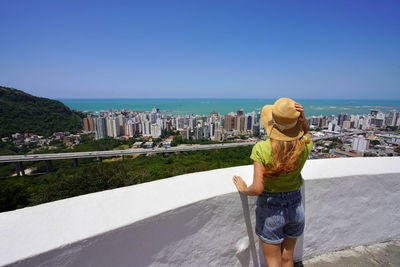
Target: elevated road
337, 135
114, 153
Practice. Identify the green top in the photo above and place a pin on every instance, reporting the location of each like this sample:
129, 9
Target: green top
285, 182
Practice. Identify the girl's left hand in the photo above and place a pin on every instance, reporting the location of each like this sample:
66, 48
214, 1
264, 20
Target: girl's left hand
300, 109
239, 183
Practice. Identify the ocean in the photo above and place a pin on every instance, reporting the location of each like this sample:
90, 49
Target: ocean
225, 106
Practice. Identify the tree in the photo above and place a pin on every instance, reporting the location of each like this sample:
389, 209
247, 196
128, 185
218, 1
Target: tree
391, 128
375, 142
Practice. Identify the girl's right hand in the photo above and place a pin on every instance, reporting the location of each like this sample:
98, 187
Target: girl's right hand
240, 184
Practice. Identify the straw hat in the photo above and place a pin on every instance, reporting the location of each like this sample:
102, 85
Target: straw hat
280, 120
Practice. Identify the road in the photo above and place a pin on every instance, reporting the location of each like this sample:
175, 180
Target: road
338, 135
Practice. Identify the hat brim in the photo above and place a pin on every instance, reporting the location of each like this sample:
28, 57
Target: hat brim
273, 132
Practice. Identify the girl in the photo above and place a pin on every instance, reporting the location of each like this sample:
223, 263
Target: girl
278, 162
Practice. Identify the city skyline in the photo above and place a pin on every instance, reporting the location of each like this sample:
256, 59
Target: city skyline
115, 123
313, 49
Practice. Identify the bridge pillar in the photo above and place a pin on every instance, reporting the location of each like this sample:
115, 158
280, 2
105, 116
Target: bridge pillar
75, 163
49, 166
100, 159
17, 168
122, 157
21, 168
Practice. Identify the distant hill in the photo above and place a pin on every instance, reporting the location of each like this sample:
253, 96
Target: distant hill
23, 113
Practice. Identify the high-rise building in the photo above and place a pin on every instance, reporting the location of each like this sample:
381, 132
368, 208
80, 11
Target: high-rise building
261, 124
341, 118
115, 127
185, 133
240, 121
91, 123
192, 122
228, 123
159, 121
109, 126
398, 119
346, 124
256, 129
233, 122
85, 124
155, 130
131, 128
213, 114
206, 131
137, 129
359, 143
121, 121
218, 135
374, 112
146, 130
88, 124
249, 121
391, 120
180, 123
153, 117
380, 115
324, 122
333, 127
218, 125
168, 125
212, 128
377, 122
198, 133
317, 121
100, 128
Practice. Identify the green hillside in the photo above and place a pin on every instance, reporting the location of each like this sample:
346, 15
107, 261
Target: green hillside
24, 113
92, 176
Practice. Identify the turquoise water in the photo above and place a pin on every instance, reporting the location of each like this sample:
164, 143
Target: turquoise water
224, 106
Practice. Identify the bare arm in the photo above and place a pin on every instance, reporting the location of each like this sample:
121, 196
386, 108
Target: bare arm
258, 182
302, 119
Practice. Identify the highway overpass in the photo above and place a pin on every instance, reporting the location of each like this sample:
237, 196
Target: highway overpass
18, 159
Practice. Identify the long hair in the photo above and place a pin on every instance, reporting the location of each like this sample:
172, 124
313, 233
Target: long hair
285, 156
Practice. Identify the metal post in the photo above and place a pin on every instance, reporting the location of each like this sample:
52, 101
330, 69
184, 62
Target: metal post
75, 163
49, 166
246, 213
17, 168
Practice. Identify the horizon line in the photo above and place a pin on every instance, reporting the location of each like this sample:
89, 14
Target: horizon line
220, 98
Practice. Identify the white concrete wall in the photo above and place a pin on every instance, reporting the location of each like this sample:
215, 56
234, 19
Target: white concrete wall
197, 220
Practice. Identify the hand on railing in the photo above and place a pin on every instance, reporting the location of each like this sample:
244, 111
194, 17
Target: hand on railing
239, 183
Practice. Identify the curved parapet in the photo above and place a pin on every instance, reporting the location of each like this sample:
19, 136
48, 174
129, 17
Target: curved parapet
197, 219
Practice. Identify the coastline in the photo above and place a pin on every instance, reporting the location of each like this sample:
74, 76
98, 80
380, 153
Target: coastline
200, 106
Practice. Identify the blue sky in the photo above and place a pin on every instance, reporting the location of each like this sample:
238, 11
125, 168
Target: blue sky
206, 49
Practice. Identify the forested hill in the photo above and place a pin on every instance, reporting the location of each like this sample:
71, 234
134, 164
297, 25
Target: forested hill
23, 113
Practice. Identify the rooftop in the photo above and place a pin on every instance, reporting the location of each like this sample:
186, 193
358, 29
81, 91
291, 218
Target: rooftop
197, 219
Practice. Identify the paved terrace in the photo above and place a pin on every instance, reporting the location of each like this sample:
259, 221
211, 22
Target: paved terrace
375, 255
197, 219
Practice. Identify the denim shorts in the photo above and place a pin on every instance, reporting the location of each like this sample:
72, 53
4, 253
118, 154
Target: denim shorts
279, 215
